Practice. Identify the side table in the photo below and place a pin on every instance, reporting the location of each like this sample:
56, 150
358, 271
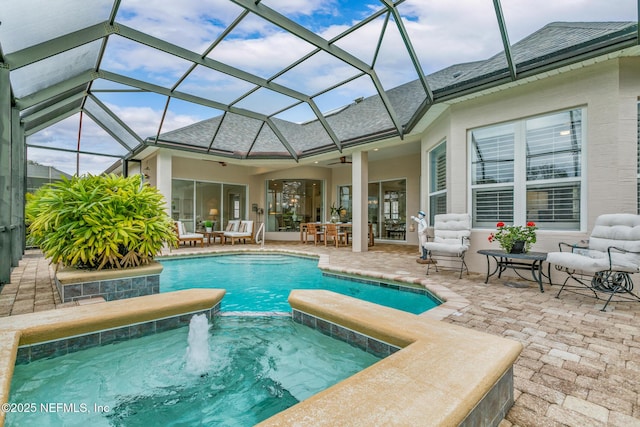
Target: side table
211, 235
531, 261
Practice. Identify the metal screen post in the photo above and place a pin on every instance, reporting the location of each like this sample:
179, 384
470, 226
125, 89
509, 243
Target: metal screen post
5, 175
18, 171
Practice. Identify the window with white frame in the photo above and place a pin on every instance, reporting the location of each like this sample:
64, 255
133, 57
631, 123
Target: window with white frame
437, 181
529, 170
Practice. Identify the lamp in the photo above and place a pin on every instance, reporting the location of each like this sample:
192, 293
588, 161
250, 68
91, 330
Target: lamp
213, 213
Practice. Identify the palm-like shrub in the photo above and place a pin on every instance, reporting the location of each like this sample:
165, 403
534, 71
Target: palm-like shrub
97, 222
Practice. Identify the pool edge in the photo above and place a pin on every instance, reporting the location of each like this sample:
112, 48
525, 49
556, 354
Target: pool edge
52, 325
446, 374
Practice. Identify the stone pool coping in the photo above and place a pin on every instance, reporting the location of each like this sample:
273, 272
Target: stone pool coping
439, 377
70, 275
32, 328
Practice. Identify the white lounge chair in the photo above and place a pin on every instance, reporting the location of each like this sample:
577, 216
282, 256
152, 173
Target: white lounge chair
605, 265
184, 237
451, 233
244, 231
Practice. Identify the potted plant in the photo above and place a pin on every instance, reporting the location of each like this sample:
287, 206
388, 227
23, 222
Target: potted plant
335, 213
515, 238
208, 226
107, 223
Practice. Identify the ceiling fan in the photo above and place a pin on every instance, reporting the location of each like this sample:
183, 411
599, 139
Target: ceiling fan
343, 161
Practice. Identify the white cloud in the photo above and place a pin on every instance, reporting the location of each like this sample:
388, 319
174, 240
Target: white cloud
64, 135
301, 7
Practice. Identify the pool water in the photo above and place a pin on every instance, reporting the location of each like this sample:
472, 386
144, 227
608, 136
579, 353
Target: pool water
259, 366
262, 282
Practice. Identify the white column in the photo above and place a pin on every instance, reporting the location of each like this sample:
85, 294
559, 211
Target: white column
360, 181
163, 177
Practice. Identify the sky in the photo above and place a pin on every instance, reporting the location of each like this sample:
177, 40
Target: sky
442, 33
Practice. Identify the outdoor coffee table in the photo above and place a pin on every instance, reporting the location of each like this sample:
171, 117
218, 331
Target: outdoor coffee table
531, 261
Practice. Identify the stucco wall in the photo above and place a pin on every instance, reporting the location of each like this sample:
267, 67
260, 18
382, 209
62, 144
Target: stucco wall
608, 90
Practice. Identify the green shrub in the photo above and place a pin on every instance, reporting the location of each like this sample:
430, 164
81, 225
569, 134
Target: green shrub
97, 222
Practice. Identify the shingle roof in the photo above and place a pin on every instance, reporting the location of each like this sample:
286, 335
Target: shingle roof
368, 118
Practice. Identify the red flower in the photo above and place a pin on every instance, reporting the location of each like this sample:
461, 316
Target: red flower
531, 224
491, 237
500, 224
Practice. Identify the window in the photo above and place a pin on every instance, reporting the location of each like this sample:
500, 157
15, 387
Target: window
194, 202
394, 203
529, 170
345, 200
386, 207
209, 205
293, 201
437, 181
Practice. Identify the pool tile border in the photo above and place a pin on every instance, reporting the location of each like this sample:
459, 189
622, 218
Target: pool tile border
110, 289
493, 407
61, 347
394, 286
370, 345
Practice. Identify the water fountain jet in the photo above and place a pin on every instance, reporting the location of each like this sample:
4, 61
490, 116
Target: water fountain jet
197, 357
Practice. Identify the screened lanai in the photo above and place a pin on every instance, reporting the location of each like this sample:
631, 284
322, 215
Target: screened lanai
89, 86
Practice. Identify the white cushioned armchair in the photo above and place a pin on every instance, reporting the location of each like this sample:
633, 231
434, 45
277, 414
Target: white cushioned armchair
606, 263
451, 234
184, 236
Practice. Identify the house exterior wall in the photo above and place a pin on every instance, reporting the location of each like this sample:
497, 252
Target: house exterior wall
607, 90
609, 93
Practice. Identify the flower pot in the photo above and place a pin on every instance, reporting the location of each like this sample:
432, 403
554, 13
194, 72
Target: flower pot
518, 247
335, 218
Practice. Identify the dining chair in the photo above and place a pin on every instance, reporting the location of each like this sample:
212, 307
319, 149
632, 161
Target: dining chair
315, 231
332, 231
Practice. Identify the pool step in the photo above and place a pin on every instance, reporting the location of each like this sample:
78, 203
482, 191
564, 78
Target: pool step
255, 259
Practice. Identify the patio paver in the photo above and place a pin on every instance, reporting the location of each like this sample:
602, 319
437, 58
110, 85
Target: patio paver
579, 367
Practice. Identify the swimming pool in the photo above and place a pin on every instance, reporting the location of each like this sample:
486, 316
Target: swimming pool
258, 367
262, 282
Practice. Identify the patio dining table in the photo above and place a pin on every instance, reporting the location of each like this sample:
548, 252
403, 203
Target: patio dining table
341, 225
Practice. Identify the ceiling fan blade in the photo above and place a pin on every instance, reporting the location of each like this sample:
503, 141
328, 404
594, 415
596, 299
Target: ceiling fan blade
343, 160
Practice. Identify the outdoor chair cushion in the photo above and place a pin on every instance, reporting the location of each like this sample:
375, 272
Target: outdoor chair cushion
182, 232
233, 225
448, 248
610, 231
451, 234
244, 229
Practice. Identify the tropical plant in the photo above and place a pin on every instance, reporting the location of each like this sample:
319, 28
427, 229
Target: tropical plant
336, 210
507, 235
97, 222
207, 223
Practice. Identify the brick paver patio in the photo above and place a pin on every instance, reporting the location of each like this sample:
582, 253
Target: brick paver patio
579, 367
